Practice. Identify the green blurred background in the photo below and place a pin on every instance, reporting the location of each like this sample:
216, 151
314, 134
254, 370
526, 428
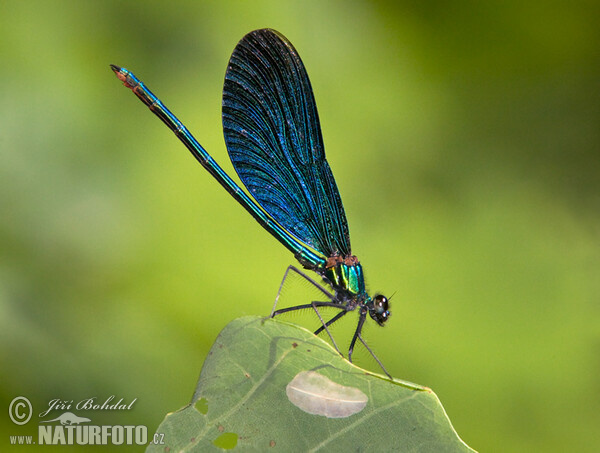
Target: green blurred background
464, 137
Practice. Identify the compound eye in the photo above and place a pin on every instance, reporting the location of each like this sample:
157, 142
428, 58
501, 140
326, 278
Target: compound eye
381, 310
380, 303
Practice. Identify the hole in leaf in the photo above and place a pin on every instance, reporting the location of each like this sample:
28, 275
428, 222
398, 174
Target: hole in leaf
226, 441
202, 406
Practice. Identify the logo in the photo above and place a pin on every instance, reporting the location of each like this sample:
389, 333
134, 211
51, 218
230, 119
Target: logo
69, 428
20, 410
89, 404
68, 418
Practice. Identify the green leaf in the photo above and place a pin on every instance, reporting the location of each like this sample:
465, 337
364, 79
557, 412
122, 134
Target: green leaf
241, 401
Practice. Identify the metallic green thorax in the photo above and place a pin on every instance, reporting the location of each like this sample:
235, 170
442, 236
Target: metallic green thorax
346, 274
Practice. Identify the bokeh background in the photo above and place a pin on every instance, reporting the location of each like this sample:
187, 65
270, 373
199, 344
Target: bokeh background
464, 138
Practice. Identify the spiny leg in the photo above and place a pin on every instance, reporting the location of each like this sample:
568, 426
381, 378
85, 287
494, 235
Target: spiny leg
314, 306
361, 321
330, 322
374, 356
325, 326
306, 277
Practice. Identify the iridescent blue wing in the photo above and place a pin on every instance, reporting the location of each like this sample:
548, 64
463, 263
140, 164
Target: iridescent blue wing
274, 140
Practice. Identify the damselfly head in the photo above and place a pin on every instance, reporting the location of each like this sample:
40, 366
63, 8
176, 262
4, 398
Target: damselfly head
380, 311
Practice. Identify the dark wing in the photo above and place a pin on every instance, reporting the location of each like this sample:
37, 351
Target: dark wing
274, 140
